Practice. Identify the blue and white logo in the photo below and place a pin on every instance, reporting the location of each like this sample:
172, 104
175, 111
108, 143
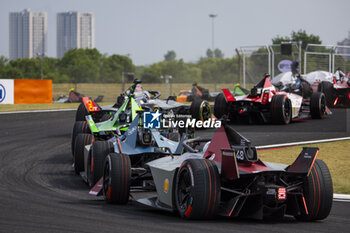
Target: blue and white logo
151, 120
2, 93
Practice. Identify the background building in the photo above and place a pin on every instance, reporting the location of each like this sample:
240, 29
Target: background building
74, 30
27, 34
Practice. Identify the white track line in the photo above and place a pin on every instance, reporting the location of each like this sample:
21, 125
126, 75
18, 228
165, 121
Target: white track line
341, 197
301, 143
39, 111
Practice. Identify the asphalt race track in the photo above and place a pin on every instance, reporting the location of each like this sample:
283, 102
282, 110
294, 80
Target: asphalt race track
40, 193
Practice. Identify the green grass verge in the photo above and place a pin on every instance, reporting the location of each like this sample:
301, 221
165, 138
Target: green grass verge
335, 154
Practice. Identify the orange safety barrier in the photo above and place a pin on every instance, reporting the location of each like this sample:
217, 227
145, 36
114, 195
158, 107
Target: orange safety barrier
32, 91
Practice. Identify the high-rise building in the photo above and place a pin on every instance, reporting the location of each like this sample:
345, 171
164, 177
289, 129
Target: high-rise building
74, 30
27, 34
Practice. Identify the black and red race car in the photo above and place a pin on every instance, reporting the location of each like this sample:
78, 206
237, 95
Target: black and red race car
225, 178
336, 87
265, 104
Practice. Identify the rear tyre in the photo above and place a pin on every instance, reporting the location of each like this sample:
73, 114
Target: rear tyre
97, 154
117, 178
200, 109
197, 189
318, 105
281, 109
318, 193
81, 141
327, 89
81, 113
79, 127
220, 105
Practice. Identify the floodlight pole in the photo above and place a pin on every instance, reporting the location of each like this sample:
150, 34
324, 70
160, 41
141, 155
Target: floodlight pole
212, 16
166, 78
40, 56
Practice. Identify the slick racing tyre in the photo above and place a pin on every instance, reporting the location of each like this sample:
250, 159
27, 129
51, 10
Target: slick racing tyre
81, 141
97, 154
327, 89
306, 89
81, 113
200, 109
318, 193
281, 109
79, 127
318, 105
117, 178
197, 189
220, 105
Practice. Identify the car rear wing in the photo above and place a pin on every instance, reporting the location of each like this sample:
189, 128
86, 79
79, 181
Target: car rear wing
90, 105
304, 161
229, 97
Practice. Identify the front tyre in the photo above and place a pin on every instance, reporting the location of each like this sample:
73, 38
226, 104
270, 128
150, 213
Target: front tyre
197, 189
220, 105
318, 105
327, 89
318, 193
200, 109
117, 178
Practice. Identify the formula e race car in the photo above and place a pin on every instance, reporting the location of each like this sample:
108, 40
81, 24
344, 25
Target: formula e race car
196, 92
336, 87
293, 82
225, 178
265, 103
140, 144
102, 122
74, 97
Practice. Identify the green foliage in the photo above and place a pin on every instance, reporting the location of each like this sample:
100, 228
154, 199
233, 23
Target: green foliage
218, 53
113, 66
90, 66
210, 53
300, 35
179, 70
219, 70
170, 56
81, 65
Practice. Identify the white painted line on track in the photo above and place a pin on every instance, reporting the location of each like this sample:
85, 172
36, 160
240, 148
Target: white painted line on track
341, 196
301, 143
39, 111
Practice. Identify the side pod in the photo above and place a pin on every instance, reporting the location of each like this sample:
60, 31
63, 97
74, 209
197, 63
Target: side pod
305, 161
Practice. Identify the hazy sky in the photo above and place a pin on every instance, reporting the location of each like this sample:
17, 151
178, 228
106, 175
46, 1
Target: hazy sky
147, 29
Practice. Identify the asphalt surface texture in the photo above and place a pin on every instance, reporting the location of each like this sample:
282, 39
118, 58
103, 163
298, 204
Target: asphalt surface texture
40, 193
